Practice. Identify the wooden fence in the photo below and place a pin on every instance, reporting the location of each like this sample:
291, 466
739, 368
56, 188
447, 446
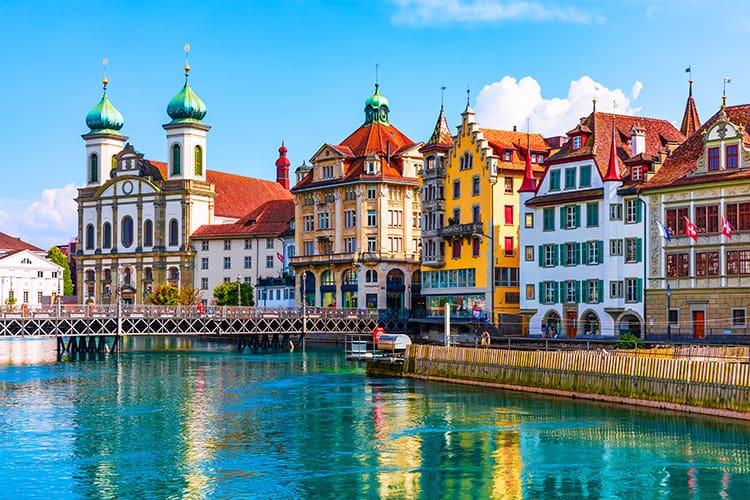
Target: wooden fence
716, 381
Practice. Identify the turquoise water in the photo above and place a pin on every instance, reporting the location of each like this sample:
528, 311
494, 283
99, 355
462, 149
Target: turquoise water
211, 422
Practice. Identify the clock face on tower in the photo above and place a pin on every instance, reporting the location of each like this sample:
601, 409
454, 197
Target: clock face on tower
383, 114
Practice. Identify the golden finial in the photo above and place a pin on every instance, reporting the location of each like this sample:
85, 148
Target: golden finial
105, 62
187, 62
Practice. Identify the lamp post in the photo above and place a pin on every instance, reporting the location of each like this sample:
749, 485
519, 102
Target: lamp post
669, 307
304, 308
645, 276
239, 292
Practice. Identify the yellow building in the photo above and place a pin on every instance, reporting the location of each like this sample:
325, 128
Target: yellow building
472, 227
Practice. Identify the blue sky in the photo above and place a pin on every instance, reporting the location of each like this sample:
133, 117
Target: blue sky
300, 71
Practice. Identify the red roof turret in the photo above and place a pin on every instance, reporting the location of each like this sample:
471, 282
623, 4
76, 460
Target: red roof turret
282, 167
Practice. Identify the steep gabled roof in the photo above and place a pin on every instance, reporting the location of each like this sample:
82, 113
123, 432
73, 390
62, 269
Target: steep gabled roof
374, 138
441, 134
677, 169
271, 219
501, 140
10, 243
237, 195
690, 120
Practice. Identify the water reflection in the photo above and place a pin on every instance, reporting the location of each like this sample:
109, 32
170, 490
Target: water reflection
210, 422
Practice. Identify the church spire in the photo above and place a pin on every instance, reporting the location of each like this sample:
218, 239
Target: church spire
529, 184
690, 120
441, 134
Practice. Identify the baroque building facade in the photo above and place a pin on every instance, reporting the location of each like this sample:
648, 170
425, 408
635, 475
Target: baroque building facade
357, 218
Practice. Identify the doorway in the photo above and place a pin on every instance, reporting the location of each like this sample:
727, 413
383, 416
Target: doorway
571, 324
699, 324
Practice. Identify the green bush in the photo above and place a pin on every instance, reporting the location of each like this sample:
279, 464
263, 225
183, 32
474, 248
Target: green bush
629, 341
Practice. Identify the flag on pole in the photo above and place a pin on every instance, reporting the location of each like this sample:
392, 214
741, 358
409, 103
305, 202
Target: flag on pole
280, 256
691, 230
687, 70
664, 231
726, 227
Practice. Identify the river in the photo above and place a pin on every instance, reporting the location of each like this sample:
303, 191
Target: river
180, 419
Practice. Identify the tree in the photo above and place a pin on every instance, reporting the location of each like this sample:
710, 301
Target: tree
168, 295
55, 255
226, 294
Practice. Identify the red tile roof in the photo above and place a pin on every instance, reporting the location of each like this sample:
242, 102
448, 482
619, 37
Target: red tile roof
272, 218
12, 244
690, 120
678, 167
597, 145
500, 140
237, 195
441, 134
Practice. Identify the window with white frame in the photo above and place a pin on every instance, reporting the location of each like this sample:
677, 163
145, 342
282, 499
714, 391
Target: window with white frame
227, 244
204, 263
372, 218
350, 245
615, 289
592, 291
204, 245
615, 211
550, 292
269, 261
248, 244
615, 247
550, 255
372, 245
632, 290
248, 261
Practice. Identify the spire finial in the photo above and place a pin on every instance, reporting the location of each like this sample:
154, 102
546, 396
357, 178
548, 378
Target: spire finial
105, 81
442, 95
724, 93
187, 60
468, 95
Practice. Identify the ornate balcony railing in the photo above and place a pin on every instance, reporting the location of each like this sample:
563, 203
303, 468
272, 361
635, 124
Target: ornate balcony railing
460, 230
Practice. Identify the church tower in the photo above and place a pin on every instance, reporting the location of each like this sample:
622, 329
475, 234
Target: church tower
103, 141
282, 167
186, 134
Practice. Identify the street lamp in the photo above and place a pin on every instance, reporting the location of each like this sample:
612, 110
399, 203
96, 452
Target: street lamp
645, 271
239, 292
669, 307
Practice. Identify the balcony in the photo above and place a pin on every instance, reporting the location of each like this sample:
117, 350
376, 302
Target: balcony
332, 258
388, 256
461, 230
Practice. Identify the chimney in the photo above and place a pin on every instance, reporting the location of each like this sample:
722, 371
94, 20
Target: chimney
388, 152
514, 129
637, 140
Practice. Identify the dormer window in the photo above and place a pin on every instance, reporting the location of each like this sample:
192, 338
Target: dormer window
577, 142
713, 159
371, 164
507, 155
370, 167
636, 173
731, 153
327, 172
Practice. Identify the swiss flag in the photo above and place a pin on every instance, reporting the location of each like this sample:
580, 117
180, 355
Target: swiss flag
691, 230
726, 228
280, 256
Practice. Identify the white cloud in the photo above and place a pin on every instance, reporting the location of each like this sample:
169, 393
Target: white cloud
50, 220
509, 102
427, 12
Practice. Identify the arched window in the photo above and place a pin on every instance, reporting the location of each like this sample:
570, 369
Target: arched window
148, 233
327, 278
148, 274
176, 170
198, 160
114, 162
107, 235
90, 275
371, 276
94, 168
350, 277
107, 275
174, 273
127, 231
126, 276
174, 239
90, 237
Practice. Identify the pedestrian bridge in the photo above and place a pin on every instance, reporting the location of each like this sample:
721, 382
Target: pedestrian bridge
254, 327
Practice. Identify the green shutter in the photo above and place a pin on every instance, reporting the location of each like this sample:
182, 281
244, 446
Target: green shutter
562, 218
638, 249
585, 292
541, 255
542, 296
578, 291
638, 289
599, 252
577, 212
600, 290
638, 204
577, 251
561, 295
555, 255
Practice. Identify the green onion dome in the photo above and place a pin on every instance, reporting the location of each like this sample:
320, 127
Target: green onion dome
186, 106
104, 117
376, 100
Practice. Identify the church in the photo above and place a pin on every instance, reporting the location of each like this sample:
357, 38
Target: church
136, 216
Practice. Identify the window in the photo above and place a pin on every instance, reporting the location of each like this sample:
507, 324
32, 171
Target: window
308, 247
739, 317
227, 244
350, 245
585, 176
457, 215
738, 215
456, 188
416, 220
204, 263
476, 214
570, 178
615, 289
107, 235
738, 262
475, 185
554, 180
636, 172
571, 291
323, 220
707, 264
713, 158
548, 254
94, 168
571, 254
592, 291
594, 250
506, 276
308, 222
371, 193
371, 276
248, 262
248, 244
571, 216
529, 219
227, 263
456, 249
269, 261
350, 218
632, 250
507, 155
269, 243
466, 162
548, 219
372, 218
707, 218
127, 231
198, 154
615, 211
372, 245
395, 218
675, 220
395, 244
678, 265
508, 247
173, 233
204, 245
550, 292
148, 234
509, 184
577, 142
632, 211
176, 168
633, 289
475, 245
592, 214
731, 156
508, 215
529, 251
530, 292
204, 283
615, 247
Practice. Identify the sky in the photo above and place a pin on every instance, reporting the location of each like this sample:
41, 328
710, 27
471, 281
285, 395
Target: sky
300, 72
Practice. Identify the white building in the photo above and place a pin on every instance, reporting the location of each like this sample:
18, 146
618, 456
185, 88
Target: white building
26, 274
582, 230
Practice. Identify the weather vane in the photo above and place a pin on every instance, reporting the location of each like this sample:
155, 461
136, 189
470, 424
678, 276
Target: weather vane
187, 61
105, 81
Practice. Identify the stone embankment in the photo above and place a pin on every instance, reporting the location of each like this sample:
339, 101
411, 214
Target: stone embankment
712, 381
